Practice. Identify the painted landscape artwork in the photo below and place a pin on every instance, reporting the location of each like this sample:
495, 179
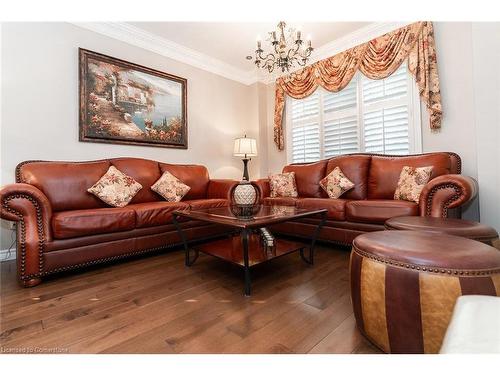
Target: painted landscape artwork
125, 103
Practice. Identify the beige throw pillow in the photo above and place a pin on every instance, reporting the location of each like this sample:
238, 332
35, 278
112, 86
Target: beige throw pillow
283, 185
411, 182
336, 183
115, 188
170, 187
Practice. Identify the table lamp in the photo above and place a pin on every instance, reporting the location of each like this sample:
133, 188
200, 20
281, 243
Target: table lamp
245, 147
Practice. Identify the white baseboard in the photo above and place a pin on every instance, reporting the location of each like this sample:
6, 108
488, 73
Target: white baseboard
5, 256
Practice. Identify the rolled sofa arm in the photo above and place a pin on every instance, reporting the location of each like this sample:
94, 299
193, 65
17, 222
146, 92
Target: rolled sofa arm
264, 188
31, 209
444, 192
220, 188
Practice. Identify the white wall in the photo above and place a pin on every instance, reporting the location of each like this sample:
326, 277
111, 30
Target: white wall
468, 71
486, 77
40, 103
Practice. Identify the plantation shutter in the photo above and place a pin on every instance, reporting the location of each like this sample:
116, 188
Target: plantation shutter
305, 129
366, 116
386, 114
340, 118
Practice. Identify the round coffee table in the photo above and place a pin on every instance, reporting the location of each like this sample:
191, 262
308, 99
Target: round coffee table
456, 227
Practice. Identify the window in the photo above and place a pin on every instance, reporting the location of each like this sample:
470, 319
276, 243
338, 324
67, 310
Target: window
379, 116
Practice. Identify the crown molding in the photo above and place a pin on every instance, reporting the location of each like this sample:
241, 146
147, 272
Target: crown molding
140, 38
151, 42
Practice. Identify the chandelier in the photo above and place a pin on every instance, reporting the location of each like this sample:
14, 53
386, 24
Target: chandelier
288, 49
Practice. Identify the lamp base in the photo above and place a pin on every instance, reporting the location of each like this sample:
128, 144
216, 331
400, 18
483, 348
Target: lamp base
245, 169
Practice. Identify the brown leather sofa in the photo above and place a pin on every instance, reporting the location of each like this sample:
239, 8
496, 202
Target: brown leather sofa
60, 226
370, 203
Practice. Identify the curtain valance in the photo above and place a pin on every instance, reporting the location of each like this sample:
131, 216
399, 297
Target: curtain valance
376, 59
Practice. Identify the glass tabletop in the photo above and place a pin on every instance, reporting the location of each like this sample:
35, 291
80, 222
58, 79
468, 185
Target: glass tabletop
265, 215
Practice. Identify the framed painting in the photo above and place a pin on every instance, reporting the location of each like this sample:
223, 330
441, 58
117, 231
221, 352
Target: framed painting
126, 103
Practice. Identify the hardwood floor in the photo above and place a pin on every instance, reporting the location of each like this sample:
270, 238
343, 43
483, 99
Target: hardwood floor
156, 305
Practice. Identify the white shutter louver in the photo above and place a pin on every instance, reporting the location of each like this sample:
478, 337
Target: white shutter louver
386, 114
340, 121
305, 129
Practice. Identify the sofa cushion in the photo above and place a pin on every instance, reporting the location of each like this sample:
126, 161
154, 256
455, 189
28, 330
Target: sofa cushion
335, 207
356, 169
170, 187
151, 214
384, 171
76, 223
199, 204
411, 182
194, 176
283, 185
115, 188
378, 210
307, 178
336, 183
280, 201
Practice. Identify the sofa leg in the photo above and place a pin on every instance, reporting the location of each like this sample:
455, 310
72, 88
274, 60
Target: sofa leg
31, 282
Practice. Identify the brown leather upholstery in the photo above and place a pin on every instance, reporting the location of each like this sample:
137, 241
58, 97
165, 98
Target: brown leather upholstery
199, 204
404, 285
264, 188
26, 203
52, 198
445, 192
384, 171
156, 213
77, 223
355, 168
379, 210
307, 178
280, 201
195, 176
220, 189
456, 227
335, 207
75, 177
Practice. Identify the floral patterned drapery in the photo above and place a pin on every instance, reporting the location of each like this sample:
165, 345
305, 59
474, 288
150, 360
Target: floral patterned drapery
376, 59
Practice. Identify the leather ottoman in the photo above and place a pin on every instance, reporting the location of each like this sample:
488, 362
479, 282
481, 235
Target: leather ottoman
404, 285
456, 227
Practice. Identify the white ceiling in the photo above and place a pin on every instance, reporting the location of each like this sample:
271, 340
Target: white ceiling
232, 42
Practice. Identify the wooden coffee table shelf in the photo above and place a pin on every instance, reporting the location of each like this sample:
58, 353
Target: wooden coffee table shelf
245, 249
231, 249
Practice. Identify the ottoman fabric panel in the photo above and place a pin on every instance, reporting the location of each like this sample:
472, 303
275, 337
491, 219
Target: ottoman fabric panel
437, 299
496, 282
372, 287
402, 305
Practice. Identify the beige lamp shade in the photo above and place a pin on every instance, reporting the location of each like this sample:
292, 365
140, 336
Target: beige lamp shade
245, 147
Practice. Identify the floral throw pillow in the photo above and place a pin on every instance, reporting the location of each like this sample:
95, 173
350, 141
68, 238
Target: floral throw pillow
411, 182
336, 183
283, 185
170, 187
115, 188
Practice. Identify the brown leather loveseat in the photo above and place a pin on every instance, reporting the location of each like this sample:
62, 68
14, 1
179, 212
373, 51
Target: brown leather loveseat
60, 226
370, 203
